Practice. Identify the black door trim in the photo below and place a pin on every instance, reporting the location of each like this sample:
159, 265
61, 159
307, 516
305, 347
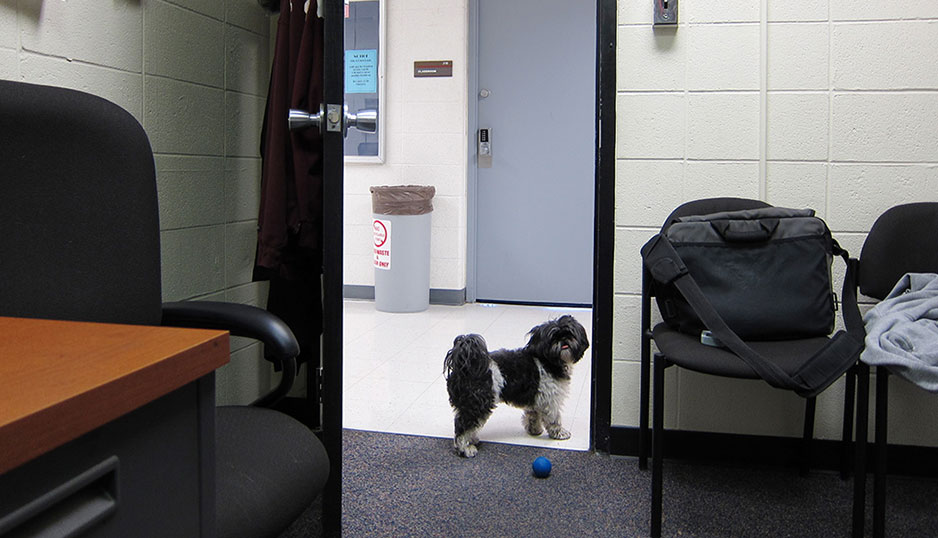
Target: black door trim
604, 235
333, 187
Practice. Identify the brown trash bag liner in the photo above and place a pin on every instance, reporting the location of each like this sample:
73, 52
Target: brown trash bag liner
402, 199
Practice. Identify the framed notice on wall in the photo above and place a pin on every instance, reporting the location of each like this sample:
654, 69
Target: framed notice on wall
364, 75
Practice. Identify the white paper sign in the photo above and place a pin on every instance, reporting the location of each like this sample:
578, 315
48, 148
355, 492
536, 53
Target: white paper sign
382, 233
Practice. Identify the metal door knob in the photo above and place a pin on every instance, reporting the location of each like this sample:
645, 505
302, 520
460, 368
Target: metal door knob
301, 119
484, 92
365, 120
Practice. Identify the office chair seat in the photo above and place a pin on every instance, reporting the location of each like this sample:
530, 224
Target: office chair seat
250, 447
686, 351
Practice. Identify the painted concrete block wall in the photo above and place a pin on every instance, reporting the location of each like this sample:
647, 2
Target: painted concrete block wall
195, 74
425, 139
851, 128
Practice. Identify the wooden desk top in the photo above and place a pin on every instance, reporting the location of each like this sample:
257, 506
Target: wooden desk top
62, 379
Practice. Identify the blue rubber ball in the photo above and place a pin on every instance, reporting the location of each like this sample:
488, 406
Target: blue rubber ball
541, 467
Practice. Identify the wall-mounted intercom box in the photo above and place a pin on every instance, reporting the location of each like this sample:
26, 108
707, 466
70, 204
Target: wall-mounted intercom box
665, 12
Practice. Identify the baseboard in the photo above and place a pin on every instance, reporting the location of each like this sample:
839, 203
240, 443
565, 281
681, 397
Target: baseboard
437, 296
770, 450
351, 291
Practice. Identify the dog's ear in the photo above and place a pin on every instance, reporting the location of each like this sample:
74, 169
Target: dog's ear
539, 339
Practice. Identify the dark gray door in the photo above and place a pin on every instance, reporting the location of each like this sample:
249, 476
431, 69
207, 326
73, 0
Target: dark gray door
534, 205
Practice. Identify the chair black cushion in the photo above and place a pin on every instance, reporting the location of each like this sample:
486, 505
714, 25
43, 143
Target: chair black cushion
687, 351
251, 445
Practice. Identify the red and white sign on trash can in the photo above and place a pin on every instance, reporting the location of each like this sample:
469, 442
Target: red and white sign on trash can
382, 230
402, 216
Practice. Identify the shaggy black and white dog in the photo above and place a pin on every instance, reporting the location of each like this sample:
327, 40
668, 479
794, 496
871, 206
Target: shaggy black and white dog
535, 378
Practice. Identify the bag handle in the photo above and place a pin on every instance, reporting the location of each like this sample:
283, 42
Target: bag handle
818, 373
745, 231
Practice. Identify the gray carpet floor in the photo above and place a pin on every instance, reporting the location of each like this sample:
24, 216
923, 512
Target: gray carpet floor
400, 486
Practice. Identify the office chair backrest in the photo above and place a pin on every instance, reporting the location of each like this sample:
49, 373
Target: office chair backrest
705, 206
79, 221
903, 240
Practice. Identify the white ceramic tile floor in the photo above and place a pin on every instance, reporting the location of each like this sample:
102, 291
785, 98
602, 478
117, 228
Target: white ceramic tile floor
393, 374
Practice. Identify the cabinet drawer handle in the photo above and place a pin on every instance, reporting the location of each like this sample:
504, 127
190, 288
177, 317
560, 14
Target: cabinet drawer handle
70, 508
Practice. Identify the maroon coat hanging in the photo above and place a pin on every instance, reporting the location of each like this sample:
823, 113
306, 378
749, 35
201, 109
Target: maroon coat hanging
289, 238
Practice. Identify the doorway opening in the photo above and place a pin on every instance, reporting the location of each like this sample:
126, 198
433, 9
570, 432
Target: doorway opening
597, 402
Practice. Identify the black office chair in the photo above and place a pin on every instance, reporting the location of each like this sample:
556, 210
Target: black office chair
81, 241
904, 239
678, 349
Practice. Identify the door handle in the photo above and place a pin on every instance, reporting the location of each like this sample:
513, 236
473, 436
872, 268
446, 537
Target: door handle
365, 120
301, 119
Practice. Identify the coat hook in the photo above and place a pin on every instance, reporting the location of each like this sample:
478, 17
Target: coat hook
271, 6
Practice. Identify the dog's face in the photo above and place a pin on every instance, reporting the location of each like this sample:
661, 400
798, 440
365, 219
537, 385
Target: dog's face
562, 339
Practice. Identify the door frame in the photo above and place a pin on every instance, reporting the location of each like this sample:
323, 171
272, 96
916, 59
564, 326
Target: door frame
332, 260
603, 212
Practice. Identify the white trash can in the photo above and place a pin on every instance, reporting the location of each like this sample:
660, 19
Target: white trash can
401, 225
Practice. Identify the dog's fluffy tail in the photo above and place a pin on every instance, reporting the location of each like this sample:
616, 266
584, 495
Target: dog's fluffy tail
468, 358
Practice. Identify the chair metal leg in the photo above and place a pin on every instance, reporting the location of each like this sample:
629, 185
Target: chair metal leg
879, 473
657, 434
859, 464
850, 391
645, 367
643, 403
810, 405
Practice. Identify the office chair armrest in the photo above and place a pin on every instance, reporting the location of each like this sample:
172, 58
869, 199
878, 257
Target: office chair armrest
240, 320
280, 345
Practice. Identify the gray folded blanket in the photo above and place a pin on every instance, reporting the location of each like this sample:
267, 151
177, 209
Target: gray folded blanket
902, 331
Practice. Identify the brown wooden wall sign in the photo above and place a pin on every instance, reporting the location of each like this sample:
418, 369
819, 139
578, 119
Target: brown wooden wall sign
433, 68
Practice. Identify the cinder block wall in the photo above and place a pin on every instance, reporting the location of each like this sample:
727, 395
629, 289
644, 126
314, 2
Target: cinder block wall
195, 74
425, 139
844, 119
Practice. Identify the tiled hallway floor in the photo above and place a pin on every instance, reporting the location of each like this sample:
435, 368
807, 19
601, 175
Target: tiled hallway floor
393, 373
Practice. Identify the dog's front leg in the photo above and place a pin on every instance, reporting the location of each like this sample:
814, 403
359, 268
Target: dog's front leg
551, 419
532, 422
465, 444
556, 431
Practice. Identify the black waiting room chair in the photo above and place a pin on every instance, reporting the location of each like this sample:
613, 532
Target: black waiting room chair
675, 348
904, 239
81, 241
